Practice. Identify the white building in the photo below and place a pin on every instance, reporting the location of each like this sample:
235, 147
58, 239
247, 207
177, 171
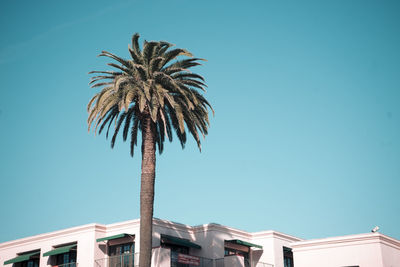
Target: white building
210, 245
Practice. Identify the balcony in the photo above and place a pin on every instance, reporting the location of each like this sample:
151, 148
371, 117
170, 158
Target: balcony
123, 260
165, 258
238, 261
183, 260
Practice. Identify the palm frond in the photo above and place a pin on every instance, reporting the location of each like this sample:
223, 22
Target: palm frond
124, 62
156, 84
116, 130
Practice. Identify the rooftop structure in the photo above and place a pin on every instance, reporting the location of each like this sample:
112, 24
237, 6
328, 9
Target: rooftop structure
209, 245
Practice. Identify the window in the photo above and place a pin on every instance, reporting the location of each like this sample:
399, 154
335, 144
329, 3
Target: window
28, 263
67, 259
63, 255
232, 249
179, 248
25, 259
288, 257
121, 255
175, 250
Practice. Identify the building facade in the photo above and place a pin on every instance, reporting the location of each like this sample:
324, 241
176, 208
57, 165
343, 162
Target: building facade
209, 245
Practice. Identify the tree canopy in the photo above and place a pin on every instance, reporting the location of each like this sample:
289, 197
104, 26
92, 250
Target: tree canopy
156, 83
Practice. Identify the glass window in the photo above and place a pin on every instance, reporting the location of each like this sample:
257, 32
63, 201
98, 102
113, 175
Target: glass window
67, 259
288, 257
176, 248
28, 263
239, 250
121, 255
175, 251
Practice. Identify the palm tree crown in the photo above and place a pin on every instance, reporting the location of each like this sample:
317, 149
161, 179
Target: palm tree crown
153, 84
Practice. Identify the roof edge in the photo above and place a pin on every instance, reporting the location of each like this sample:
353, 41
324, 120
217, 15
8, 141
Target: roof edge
366, 237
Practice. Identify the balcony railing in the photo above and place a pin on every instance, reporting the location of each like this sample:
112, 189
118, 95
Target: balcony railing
199, 261
261, 264
132, 260
72, 264
246, 263
123, 260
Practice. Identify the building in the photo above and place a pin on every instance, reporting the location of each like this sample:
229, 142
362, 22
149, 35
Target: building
209, 245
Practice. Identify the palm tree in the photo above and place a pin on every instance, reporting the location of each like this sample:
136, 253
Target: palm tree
153, 93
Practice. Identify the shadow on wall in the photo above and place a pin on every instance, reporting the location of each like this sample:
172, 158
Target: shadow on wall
211, 240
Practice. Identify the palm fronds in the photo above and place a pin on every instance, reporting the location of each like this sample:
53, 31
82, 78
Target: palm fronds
153, 84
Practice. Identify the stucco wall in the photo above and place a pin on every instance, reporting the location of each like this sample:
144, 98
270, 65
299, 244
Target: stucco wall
390, 255
161, 257
273, 243
364, 250
84, 236
367, 255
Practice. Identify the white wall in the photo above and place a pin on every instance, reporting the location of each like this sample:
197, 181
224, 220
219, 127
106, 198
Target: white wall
234, 261
273, 243
364, 250
390, 255
367, 255
161, 257
84, 236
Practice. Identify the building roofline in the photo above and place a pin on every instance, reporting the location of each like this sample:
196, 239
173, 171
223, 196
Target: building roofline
113, 226
276, 234
49, 235
347, 240
226, 229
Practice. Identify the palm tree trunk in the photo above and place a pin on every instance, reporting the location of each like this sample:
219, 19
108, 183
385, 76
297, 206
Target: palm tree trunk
147, 192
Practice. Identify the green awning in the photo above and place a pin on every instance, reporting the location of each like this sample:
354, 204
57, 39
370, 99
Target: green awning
112, 237
178, 241
244, 243
23, 257
59, 250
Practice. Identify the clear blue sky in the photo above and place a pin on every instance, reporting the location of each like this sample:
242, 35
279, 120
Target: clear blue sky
305, 139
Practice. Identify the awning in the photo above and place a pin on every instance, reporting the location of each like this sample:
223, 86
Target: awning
178, 241
59, 250
112, 237
244, 243
21, 258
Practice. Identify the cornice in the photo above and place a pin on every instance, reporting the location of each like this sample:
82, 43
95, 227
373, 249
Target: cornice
275, 234
124, 224
173, 225
223, 229
46, 236
387, 240
368, 238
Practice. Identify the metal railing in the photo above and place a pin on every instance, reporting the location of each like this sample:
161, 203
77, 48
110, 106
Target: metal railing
72, 264
220, 263
203, 262
132, 260
123, 260
261, 264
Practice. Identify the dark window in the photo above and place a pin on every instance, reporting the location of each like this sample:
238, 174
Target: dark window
33, 260
121, 255
231, 251
67, 259
239, 250
175, 250
288, 257
28, 263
